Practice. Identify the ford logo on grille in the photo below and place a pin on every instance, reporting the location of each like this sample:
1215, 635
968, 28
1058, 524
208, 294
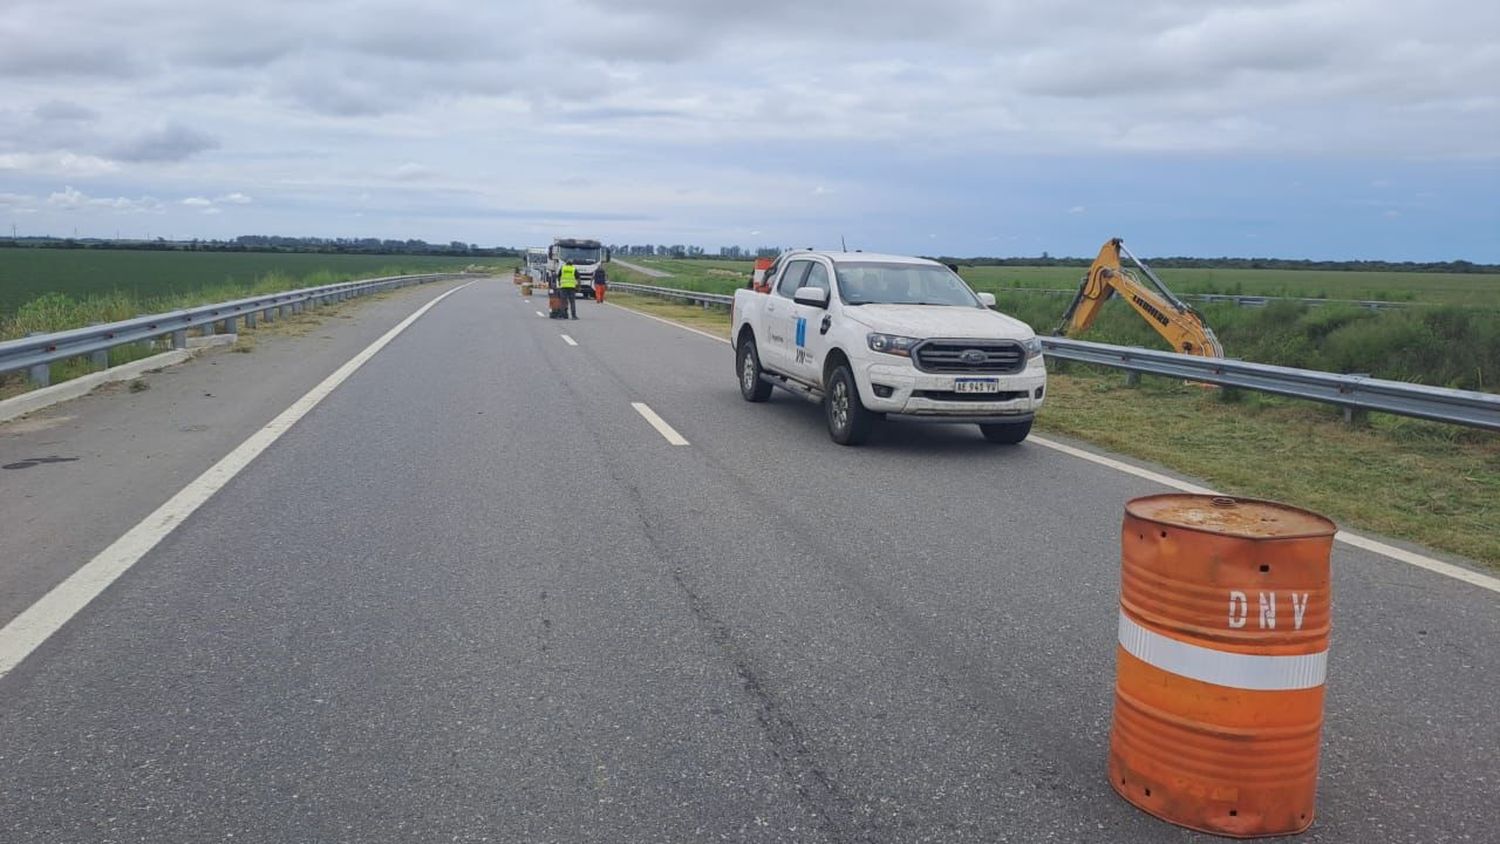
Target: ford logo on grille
973, 356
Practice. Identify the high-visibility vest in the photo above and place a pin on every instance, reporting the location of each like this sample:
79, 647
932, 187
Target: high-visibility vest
567, 276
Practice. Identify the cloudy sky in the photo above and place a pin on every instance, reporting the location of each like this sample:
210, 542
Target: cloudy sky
1323, 128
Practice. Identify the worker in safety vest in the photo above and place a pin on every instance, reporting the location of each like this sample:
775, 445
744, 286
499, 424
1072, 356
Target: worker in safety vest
567, 286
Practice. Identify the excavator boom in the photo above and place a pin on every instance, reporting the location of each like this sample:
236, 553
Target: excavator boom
1173, 319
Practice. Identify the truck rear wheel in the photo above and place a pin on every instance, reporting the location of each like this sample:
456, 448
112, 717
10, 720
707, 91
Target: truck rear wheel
849, 423
752, 387
1009, 433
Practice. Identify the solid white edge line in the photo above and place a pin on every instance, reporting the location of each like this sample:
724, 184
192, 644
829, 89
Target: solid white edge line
1355, 540
660, 424
569, 340
1257, 672
724, 340
27, 631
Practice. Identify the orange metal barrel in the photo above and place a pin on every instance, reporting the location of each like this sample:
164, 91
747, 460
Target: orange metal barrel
1223, 648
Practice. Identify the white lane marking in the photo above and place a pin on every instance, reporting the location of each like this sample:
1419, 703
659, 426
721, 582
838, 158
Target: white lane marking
27, 631
1122, 466
1364, 543
569, 340
724, 340
540, 314
659, 424
1223, 668
1421, 561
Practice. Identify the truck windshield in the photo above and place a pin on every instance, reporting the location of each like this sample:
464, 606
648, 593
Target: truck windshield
877, 283
580, 254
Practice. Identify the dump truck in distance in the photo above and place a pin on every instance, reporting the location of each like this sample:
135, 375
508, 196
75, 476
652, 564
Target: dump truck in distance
587, 257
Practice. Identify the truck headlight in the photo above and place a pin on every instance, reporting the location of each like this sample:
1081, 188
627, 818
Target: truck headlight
891, 344
1033, 347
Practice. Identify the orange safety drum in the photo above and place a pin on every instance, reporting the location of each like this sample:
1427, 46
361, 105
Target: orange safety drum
1224, 620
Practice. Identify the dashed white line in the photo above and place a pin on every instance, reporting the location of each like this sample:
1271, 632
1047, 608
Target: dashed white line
569, 340
660, 424
27, 631
540, 314
1374, 546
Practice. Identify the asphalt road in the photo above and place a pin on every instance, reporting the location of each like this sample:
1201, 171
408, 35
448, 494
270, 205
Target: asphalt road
643, 270
475, 596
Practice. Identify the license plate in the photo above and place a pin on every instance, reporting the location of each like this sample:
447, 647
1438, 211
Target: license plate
976, 385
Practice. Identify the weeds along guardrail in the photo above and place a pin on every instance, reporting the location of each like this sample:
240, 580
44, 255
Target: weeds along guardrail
1241, 299
36, 353
1354, 393
1247, 301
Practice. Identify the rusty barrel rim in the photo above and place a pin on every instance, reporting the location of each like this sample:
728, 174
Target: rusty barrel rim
1294, 522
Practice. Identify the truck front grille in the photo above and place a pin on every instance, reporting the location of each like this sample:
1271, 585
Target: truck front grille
949, 395
996, 357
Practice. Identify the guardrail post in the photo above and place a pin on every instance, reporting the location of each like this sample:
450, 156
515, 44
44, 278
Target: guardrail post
1356, 415
250, 319
270, 314
179, 338
229, 325
41, 374
206, 329
1132, 378
99, 359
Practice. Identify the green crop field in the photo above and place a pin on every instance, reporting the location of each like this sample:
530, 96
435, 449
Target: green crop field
1453, 343
147, 276
1434, 288
1477, 289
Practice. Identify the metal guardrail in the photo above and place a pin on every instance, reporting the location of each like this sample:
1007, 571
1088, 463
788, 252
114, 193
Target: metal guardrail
36, 354
1354, 392
674, 293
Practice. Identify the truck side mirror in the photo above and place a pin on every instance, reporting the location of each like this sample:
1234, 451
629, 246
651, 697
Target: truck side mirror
987, 300
814, 297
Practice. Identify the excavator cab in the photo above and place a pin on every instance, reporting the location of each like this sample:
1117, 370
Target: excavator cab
1172, 318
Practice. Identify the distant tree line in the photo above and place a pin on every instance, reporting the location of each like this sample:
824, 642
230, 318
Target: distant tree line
377, 246
1181, 262
271, 243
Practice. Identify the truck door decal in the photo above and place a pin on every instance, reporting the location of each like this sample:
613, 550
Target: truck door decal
801, 332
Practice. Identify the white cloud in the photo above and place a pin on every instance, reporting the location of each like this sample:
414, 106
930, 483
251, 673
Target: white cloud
66, 164
412, 172
197, 202
71, 199
679, 117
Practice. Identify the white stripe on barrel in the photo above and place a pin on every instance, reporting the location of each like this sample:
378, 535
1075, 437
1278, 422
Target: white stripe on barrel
1223, 668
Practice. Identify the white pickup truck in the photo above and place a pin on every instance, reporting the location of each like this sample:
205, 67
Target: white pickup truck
884, 336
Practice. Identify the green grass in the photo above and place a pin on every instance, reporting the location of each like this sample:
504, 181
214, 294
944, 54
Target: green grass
1430, 288
1445, 345
1438, 485
145, 276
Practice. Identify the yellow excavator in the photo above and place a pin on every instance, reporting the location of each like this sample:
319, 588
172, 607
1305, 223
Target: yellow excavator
1173, 319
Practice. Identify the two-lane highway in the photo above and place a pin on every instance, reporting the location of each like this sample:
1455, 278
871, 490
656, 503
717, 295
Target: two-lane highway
478, 593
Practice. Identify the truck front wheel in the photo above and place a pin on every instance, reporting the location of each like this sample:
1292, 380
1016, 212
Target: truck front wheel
1006, 434
752, 387
849, 423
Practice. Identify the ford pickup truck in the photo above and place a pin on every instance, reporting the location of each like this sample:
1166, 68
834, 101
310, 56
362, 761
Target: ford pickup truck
877, 337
